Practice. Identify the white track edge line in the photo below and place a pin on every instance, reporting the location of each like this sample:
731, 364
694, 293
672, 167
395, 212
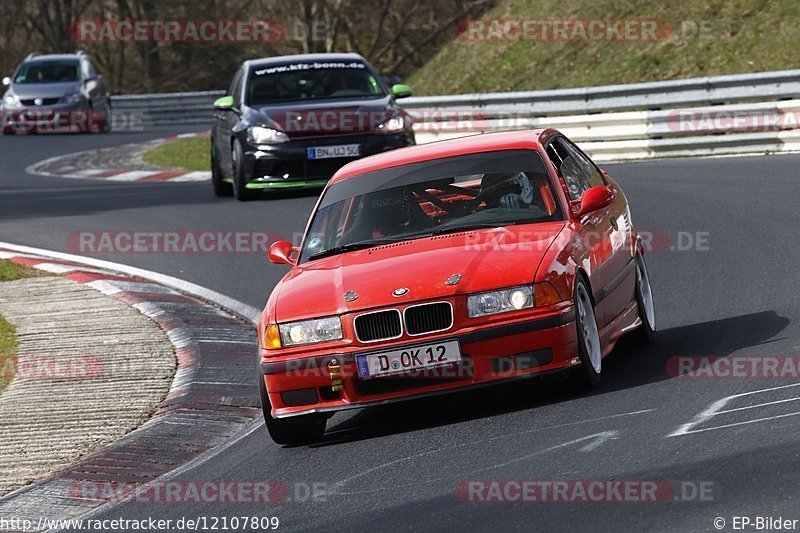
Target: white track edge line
236, 307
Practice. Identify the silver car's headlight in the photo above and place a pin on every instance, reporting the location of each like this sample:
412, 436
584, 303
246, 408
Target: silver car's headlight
261, 135
311, 331
500, 301
11, 101
72, 98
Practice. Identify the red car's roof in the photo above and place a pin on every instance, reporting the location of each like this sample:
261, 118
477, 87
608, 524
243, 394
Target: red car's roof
484, 142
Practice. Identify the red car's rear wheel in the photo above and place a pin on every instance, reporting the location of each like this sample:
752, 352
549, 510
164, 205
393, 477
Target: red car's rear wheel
644, 301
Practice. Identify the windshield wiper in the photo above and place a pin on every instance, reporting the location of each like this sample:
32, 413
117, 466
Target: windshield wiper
468, 227
360, 245
352, 246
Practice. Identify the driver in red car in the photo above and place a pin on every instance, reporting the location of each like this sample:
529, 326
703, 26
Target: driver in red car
510, 190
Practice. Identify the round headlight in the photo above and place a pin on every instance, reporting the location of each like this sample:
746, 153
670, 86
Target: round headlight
326, 329
489, 303
518, 299
297, 333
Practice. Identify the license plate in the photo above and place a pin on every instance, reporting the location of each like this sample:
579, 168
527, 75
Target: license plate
328, 152
408, 359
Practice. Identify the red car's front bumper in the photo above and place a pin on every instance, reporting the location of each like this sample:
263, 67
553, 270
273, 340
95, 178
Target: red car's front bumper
502, 350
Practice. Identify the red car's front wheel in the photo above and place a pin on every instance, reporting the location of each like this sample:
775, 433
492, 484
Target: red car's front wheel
304, 429
589, 349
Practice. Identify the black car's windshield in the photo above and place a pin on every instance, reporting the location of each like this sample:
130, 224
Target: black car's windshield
311, 80
47, 72
417, 200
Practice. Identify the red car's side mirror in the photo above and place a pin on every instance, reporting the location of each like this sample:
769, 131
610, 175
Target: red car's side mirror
594, 199
280, 253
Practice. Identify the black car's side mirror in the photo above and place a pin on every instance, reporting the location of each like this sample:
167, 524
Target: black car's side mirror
401, 91
224, 103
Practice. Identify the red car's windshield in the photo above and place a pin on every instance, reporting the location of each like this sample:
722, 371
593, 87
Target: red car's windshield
420, 199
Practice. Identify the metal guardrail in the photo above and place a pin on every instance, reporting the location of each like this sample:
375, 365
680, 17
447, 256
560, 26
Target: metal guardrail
611, 122
167, 108
713, 90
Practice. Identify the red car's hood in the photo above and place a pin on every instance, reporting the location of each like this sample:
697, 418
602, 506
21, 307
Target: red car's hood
486, 259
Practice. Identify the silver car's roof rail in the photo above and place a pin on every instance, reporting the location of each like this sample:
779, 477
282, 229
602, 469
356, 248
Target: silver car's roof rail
32, 55
81, 52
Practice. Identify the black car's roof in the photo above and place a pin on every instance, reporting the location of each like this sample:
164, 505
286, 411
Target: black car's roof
267, 61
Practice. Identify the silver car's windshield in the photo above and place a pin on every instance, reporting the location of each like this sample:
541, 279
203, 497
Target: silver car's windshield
47, 72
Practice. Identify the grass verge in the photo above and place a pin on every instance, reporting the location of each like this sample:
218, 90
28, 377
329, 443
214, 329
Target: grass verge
8, 340
191, 154
698, 39
10, 271
8, 352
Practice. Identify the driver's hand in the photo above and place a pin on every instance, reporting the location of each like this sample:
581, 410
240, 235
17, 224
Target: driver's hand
510, 200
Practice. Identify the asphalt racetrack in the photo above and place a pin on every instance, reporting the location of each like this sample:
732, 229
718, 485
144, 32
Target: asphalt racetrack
725, 239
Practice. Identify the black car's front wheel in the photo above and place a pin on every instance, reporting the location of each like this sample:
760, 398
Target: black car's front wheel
240, 190
221, 187
303, 429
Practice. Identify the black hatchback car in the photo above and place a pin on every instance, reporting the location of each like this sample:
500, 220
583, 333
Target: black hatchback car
293, 121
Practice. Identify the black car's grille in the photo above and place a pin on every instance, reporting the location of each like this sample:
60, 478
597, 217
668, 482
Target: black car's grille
299, 170
327, 141
378, 326
45, 101
428, 317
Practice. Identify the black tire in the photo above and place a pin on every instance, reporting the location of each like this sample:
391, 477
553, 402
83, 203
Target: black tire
106, 128
221, 187
304, 429
586, 376
240, 191
89, 125
646, 333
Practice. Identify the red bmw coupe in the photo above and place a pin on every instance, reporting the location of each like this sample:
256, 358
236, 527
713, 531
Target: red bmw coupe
450, 265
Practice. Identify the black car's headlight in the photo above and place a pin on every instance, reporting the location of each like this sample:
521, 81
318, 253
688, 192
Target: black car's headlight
395, 124
262, 135
500, 301
310, 331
